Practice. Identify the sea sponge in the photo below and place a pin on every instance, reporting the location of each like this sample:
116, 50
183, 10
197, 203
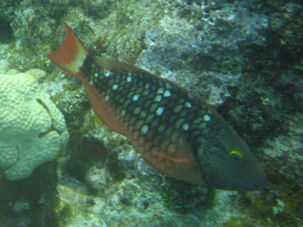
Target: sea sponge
32, 129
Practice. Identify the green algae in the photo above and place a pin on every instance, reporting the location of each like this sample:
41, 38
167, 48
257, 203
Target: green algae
186, 197
290, 195
239, 222
229, 65
122, 26
63, 211
280, 203
131, 22
285, 209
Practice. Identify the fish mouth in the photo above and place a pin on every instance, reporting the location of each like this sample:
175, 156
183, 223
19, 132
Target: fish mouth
246, 184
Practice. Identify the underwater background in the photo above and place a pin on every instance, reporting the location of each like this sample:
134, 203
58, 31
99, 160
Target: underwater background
60, 166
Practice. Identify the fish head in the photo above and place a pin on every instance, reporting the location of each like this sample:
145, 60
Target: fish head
226, 162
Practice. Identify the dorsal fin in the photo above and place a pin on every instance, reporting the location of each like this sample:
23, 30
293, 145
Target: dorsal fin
117, 66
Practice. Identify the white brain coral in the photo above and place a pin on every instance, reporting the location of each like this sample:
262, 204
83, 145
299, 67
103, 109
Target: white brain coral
32, 129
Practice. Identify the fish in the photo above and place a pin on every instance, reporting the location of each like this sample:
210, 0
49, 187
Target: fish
176, 132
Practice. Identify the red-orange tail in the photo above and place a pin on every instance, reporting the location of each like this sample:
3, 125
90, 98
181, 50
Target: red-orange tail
71, 54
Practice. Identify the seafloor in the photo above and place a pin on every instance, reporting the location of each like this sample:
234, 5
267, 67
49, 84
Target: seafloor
244, 57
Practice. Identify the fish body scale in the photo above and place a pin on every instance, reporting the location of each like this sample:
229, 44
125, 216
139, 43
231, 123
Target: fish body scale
153, 108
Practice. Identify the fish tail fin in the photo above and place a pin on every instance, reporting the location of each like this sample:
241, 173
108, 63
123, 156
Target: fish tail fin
71, 54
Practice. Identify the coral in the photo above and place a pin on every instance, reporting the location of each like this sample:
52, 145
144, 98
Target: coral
141, 202
32, 129
185, 50
271, 87
280, 206
289, 148
215, 55
4, 66
243, 56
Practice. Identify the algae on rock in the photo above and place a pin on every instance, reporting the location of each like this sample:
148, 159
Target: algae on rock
243, 56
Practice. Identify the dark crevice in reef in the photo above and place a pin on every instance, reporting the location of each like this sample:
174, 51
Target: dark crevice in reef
6, 32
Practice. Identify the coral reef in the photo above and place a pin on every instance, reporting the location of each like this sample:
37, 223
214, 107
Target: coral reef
289, 150
32, 129
245, 57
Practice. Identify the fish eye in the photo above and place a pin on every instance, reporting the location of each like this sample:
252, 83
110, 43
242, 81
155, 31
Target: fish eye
235, 156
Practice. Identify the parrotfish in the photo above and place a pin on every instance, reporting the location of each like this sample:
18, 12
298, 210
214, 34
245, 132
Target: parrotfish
175, 131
